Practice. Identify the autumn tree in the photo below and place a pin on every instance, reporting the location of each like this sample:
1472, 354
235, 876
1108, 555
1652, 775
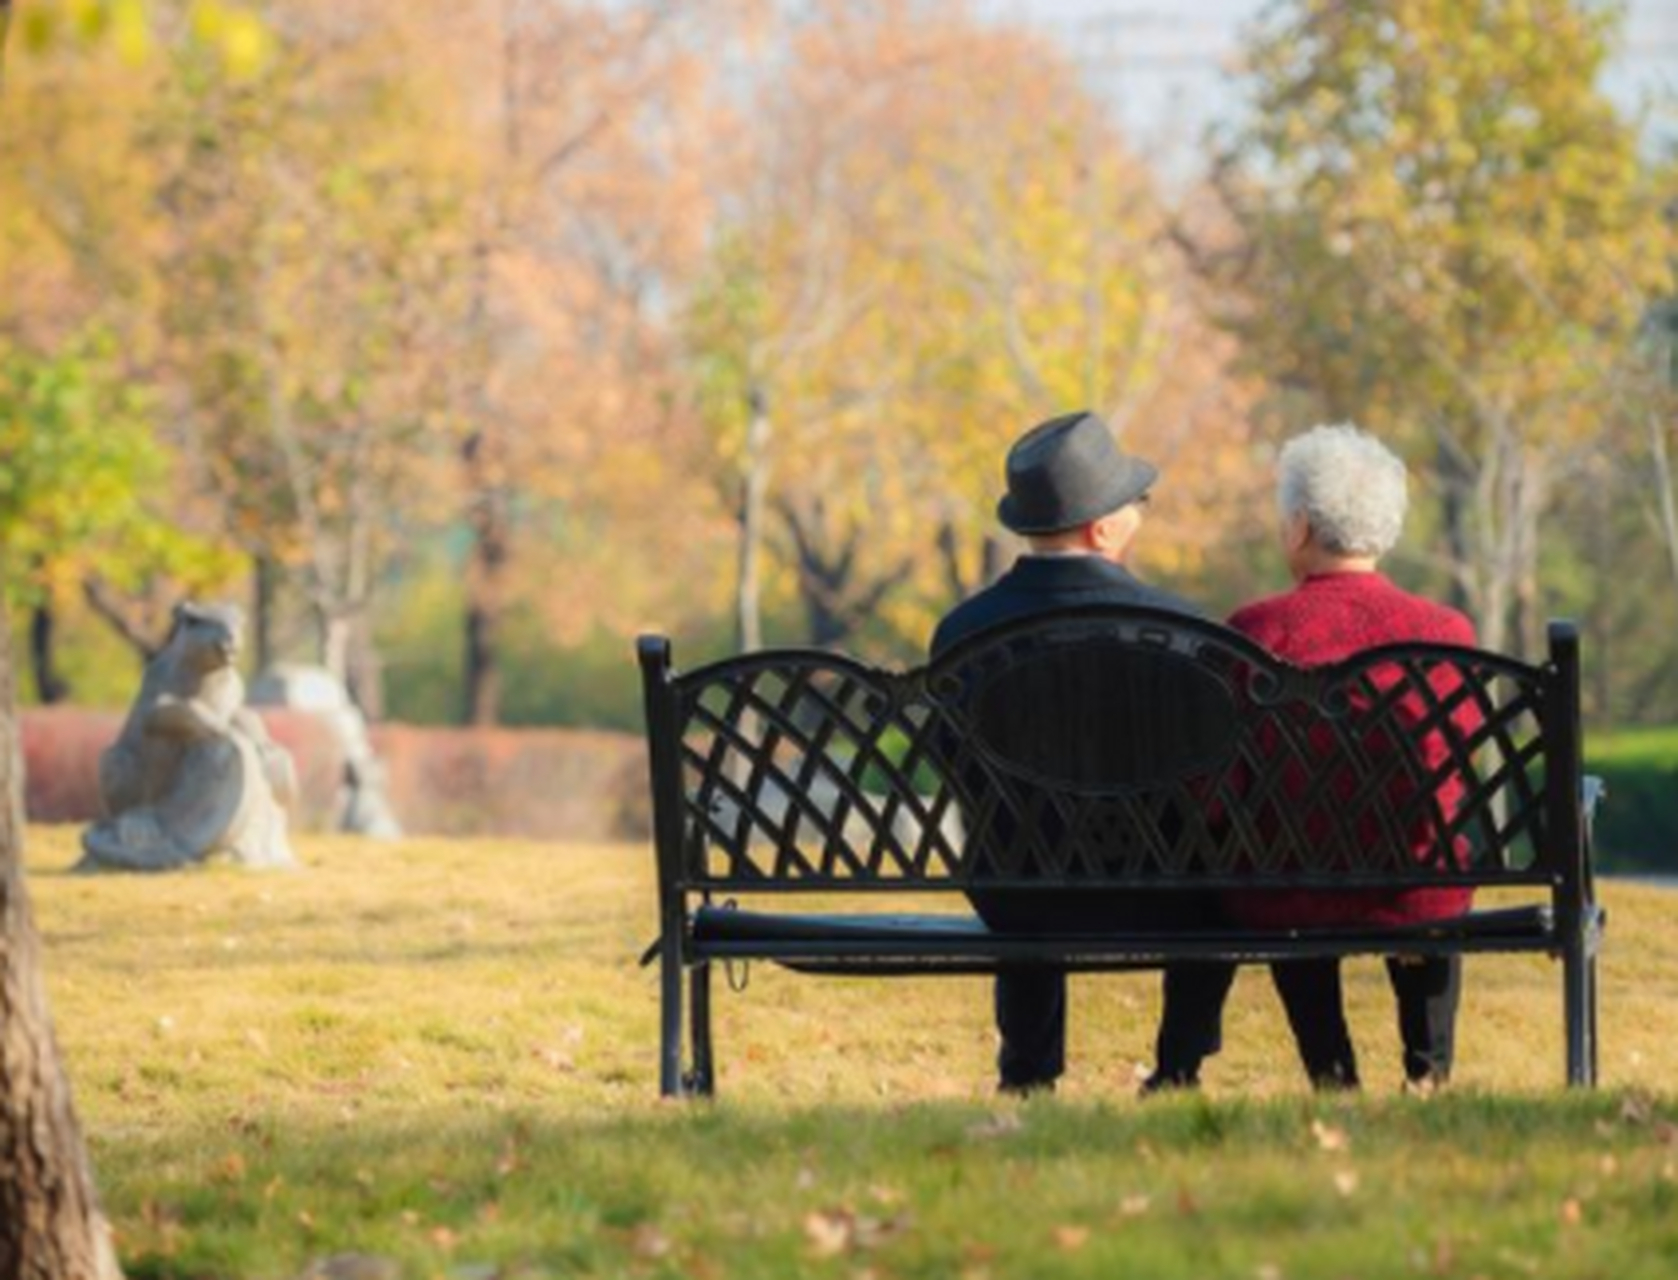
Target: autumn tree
586, 205
942, 240
85, 482
76, 331
307, 305
1447, 234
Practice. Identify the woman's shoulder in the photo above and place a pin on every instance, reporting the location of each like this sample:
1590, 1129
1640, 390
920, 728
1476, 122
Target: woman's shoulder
1431, 619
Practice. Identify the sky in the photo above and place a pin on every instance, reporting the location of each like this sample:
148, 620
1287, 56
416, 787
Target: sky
1162, 62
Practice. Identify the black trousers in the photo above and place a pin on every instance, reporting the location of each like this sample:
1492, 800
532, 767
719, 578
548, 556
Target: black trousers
1031, 999
1428, 991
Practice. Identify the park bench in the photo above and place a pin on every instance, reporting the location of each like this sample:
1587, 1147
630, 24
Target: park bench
1106, 748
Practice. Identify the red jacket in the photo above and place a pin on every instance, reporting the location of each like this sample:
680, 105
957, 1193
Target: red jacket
1325, 619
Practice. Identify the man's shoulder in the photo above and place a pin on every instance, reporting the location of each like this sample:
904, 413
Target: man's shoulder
970, 615
1032, 588
1160, 598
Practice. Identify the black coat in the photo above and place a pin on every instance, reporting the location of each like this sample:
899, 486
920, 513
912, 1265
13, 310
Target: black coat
1039, 584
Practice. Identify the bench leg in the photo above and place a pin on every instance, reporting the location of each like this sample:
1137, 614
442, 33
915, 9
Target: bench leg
702, 1081
670, 1021
1579, 997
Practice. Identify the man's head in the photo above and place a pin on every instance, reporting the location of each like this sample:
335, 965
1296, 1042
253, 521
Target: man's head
1071, 489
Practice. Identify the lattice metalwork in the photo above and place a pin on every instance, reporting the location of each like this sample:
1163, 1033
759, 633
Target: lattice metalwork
1115, 745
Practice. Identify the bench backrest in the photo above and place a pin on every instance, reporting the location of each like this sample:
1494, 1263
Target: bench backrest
1121, 746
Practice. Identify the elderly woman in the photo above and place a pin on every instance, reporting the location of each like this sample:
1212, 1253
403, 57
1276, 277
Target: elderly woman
1343, 498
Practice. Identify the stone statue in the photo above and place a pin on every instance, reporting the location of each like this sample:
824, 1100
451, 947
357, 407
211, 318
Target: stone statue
364, 806
193, 773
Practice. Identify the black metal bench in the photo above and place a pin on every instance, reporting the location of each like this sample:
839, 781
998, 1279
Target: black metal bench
1108, 748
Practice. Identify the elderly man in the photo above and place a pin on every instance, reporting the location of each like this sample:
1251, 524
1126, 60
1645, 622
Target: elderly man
1078, 502
1342, 496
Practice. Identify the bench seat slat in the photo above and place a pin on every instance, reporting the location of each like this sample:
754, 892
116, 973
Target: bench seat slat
880, 944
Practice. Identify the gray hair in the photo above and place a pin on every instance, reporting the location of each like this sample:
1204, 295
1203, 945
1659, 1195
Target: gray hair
1351, 489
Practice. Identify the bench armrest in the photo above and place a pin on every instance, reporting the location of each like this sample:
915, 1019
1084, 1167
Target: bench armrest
1593, 791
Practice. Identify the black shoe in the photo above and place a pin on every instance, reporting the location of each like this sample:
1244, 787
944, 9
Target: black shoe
1338, 1079
1167, 1082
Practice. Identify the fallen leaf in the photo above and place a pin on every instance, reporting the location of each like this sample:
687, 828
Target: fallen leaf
508, 1163
871, 1233
829, 1231
1071, 1238
1134, 1206
1187, 1205
1572, 1212
1346, 1181
647, 1241
1268, 1271
996, 1126
1444, 1256
555, 1059
1328, 1137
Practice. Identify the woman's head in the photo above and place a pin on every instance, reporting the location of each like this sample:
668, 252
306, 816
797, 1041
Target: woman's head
1342, 494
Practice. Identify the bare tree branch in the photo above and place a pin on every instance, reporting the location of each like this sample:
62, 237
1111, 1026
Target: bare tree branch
104, 603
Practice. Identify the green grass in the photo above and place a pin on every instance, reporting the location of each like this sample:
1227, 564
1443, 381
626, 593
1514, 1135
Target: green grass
443, 1053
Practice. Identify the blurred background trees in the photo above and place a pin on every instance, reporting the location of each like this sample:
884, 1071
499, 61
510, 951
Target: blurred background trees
463, 341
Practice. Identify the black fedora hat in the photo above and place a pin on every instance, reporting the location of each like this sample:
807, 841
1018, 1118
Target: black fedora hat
1066, 472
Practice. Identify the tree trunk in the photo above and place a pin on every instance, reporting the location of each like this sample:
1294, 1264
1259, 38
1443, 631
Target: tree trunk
837, 598
486, 573
264, 586
50, 686
1662, 460
748, 608
366, 670
1532, 497
50, 1223
1456, 493
993, 559
334, 642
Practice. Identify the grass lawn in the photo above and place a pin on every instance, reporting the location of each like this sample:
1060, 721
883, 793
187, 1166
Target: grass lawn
443, 1054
